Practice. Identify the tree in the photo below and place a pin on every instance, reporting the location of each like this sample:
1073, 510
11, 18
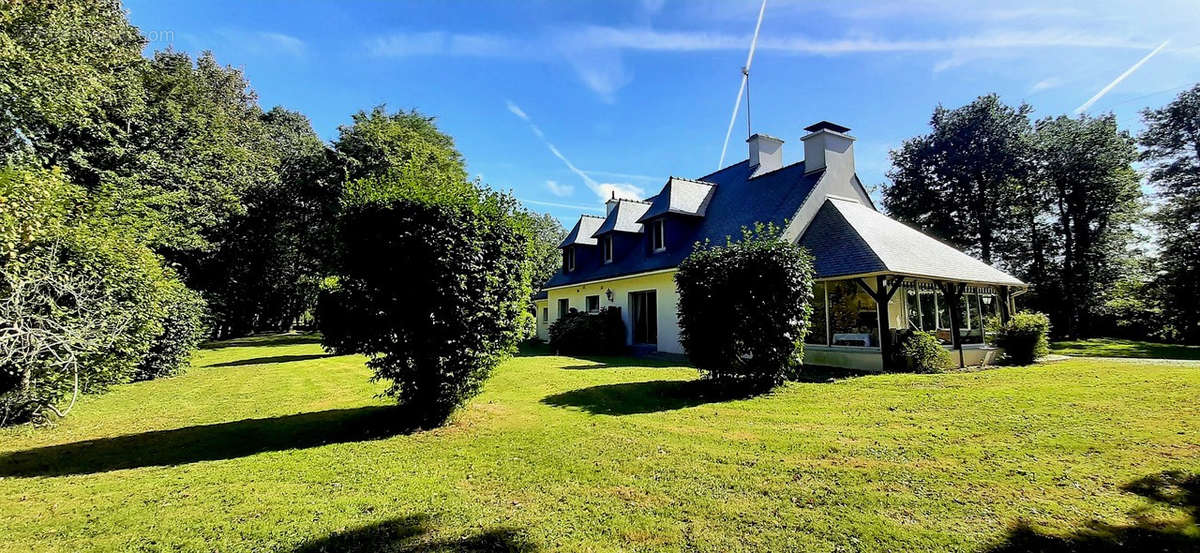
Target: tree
1171, 145
432, 293
546, 232
744, 308
958, 181
1085, 164
264, 275
64, 67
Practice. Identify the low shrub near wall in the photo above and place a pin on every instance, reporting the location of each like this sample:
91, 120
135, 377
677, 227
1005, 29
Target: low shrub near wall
579, 333
921, 352
1024, 338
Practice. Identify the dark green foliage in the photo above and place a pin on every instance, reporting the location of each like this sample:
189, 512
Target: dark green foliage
744, 308
973, 159
921, 352
182, 330
1024, 339
1171, 145
432, 293
1054, 203
579, 333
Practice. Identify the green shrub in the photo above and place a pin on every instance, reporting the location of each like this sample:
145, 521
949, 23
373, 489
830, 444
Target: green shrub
1024, 338
921, 352
432, 293
182, 330
744, 308
579, 333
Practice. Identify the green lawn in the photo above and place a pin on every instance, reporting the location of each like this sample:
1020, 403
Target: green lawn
268, 445
1113, 347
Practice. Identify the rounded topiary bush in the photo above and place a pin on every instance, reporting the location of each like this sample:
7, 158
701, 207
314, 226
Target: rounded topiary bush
578, 333
744, 308
1024, 338
921, 352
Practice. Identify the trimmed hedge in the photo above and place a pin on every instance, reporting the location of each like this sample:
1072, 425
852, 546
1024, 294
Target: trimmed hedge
744, 308
1024, 338
578, 333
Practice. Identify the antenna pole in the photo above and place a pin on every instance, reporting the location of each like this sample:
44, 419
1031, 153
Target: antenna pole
745, 76
746, 72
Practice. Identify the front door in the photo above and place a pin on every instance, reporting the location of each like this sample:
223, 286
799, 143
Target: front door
644, 309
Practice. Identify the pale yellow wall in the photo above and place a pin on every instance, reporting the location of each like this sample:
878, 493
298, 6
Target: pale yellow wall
543, 325
662, 283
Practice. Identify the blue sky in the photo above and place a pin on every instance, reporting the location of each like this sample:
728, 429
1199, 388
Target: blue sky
565, 102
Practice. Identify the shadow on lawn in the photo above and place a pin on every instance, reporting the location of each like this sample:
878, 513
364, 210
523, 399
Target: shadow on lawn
272, 359
1172, 488
631, 398
227, 440
408, 535
265, 340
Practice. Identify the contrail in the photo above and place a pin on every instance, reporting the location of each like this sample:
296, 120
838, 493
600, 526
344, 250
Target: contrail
1118, 80
745, 75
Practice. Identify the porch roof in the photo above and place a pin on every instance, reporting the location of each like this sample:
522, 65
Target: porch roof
848, 238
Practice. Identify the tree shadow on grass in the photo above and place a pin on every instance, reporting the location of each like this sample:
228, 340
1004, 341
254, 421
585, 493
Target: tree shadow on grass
410, 535
630, 398
271, 359
227, 440
1172, 488
264, 341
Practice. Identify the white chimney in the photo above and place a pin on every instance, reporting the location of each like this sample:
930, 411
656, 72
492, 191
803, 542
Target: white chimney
827, 146
766, 154
610, 203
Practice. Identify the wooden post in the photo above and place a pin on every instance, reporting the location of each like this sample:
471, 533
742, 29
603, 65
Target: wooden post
882, 294
1005, 299
953, 293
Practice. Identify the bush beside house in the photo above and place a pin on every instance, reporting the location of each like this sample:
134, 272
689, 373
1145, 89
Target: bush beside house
744, 308
921, 352
1024, 338
578, 333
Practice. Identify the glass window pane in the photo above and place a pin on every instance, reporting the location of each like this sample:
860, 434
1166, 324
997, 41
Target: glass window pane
853, 318
818, 329
973, 333
912, 307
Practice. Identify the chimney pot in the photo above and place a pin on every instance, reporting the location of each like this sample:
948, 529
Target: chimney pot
766, 154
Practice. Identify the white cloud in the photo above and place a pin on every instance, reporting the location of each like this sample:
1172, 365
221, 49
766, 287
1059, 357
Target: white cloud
1046, 84
602, 190
1120, 78
560, 190
264, 43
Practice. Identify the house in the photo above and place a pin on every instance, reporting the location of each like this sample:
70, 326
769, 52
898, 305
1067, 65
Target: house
873, 275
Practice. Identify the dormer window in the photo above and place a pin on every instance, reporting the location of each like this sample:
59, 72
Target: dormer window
608, 249
657, 242
569, 259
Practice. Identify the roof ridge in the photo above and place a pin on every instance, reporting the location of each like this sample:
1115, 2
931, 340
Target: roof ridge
726, 168
697, 181
633, 201
592, 216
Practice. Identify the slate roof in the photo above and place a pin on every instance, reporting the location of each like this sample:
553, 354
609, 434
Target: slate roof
681, 196
623, 217
737, 201
848, 238
582, 232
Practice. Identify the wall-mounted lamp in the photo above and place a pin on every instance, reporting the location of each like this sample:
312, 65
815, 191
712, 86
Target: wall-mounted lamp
608, 294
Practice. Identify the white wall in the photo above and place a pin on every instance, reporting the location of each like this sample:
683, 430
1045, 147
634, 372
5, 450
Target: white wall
662, 283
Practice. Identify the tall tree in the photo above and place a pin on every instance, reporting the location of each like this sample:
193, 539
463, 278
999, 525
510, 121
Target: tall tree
957, 182
1171, 145
1085, 164
546, 232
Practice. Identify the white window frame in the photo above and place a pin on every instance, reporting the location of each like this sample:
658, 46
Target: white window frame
608, 249
588, 299
658, 242
570, 258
